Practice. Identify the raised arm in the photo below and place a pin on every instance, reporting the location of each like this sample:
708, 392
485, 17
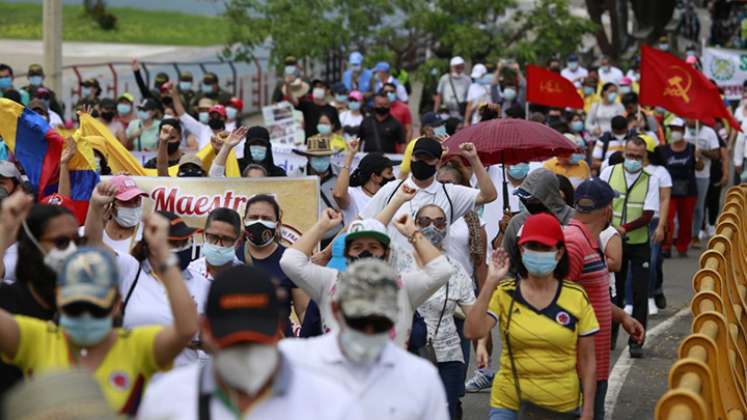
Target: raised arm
308, 241
144, 92
403, 194
423, 247
478, 323
177, 99
340, 193
101, 198
218, 167
484, 183
63, 187
171, 340
162, 159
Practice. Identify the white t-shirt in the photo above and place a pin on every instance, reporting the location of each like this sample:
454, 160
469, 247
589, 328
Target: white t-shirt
348, 119
457, 245
706, 140
662, 175
122, 246
197, 129
601, 114
613, 75
358, 200
604, 239
651, 201
576, 76
319, 283
462, 200
298, 392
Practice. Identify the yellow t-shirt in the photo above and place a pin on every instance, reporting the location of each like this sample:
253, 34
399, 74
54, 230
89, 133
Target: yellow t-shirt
122, 375
544, 346
575, 173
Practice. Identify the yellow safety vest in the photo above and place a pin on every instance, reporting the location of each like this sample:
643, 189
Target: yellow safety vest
629, 204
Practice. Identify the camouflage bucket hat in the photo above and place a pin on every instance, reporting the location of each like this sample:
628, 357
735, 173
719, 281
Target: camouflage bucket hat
368, 288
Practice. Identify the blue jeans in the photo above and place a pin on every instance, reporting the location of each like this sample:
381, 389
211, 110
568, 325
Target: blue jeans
453, 375
502, 414
599, 400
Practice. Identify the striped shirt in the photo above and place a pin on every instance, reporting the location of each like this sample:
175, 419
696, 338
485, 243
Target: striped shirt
589, 269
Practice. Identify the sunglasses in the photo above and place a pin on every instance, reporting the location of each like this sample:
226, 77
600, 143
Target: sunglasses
62, 242
376, 323
424, 222
77, 309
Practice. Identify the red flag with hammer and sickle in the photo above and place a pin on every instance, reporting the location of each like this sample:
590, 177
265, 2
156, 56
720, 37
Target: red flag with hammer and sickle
678, 87
545, 87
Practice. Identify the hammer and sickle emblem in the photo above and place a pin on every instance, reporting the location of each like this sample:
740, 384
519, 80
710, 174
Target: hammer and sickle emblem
679, 84
550, 86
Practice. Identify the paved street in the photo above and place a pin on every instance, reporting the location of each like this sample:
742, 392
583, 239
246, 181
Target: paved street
639, 387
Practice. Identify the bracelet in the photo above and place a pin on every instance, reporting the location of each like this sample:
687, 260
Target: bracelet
414, 237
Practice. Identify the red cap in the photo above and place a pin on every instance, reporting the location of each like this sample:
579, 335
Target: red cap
220, 109
126, 188
236, 103
59, 200
542, 228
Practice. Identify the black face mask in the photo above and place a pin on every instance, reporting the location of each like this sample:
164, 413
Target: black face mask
107, 116
185, 257
382, 110
534, 206
190, 171
385, 181
172, 147
259, 235
421, 170
95, 114
216, 124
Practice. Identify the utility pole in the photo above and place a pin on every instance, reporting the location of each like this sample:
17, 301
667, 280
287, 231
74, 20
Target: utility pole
52, 22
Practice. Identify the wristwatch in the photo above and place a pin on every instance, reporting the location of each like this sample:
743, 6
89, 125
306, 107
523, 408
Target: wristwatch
171, 261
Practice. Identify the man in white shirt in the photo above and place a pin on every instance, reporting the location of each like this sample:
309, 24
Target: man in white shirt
573, 71
609, 73
706, 149
452, 89
248, 376
387, 382
455, 200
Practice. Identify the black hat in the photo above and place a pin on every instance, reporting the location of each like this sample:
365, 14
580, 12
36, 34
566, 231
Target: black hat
210, 78
431, 119
593, 194
178, 230
428, 146
161, 78
243, 307
148, 104
107, 103
257, 134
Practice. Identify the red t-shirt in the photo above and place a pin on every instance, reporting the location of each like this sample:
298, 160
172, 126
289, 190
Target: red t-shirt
401, 112
589, 269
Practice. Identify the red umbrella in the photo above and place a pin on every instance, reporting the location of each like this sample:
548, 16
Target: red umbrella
510, 141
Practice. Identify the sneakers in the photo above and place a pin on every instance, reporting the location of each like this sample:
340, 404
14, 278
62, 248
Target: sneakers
661, 301
636, 351
628, 309
711, 230
652, 309
480, 381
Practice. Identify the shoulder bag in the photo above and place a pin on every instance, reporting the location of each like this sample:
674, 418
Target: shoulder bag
428, 352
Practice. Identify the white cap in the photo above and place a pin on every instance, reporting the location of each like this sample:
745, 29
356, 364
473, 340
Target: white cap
478, 71
677, 122
456, 61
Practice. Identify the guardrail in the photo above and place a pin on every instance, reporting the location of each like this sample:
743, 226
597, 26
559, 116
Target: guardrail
708, 380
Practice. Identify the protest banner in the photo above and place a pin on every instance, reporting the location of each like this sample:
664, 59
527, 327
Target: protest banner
284, 123
194, 198
728, 68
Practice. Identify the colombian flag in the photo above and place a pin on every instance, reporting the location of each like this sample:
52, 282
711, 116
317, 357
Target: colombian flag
35, 145
119, 159
83, 176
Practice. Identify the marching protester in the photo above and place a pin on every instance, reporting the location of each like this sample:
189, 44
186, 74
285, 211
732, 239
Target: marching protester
258, 151
220, 238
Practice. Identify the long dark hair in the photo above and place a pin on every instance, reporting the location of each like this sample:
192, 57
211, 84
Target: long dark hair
31, 269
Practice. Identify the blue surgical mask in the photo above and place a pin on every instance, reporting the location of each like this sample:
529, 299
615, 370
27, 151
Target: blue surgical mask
573, 65
319, 163
577, 126
324, 129
435, 235
206, 88
6, 82
588, 90
231, 112
124, 109
518, 171
664, 47
576, 158
539, 263
485, 80
84, 91
509, 93
216, 255
85, 330
611, 96
36, 80
690, 53
632, 165
204, 117
258, 153
143, 115
392, 96
354, 105
440, 131
625, 89
290, 70
185, 86
341, 98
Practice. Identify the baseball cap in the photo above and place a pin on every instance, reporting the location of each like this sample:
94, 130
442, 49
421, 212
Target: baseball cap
148, 104
58, 199
431, 119
572, 57
626, 81
368, 288
243, 307
218, 109
478, 71
35, 70
355, 95
9, 170
456, 61
190, 158
210, 78
126, 188
89, 275
428, 146
381, 66
126, 97
161, 78
650, 142
236, 103
185, 76
367, 228
593, 194
204, 103
676, 122
541, 228
178, 230
355, 58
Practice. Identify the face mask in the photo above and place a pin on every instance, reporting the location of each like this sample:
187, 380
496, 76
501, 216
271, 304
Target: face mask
247, 367
85, 330
290, 70
435, 235
341, 98
573, 65
128, 217
539, 263
143, 115
440, 131
324, 129
690, 53
354, 105
318, 93
231, 112
190, 171
625, 89
6, 82
385, 181
216, 124
55, 259
611, 96
421, 170
362, 348
206, 88
185, 86
576, 158
216, 255
577, 126
677, 136
588, 90
172, 147
319, 164
485, 80
260, 232
533, 207
84, 91
605, 69
107, 116
509, 93
36, 80
123, 109
632, 165
392, 96
203, 117
382, 110
663, 47
518, 171
259, 153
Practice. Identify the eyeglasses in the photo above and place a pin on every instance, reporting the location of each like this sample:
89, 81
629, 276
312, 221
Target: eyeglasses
62, 242
423, 222
377, 324
77, 309
219, 239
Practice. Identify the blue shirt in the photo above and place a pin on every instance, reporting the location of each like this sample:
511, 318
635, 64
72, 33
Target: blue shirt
364, 80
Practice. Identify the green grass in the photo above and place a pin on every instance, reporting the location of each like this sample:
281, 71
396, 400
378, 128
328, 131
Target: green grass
24, 21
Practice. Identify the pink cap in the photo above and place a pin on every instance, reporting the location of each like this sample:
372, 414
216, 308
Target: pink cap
626, 81
126, 188
356, 95
220, 109
691, 59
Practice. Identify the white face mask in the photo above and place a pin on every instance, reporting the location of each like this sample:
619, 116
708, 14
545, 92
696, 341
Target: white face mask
677, 136
55, 259
318, 93
128, 217
247, 367
362, 348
